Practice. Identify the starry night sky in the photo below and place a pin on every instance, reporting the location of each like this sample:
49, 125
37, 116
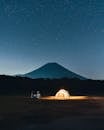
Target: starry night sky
70, 32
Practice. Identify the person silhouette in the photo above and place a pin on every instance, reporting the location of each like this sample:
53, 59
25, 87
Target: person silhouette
38, 94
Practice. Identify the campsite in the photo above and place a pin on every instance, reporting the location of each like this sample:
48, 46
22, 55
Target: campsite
24, 113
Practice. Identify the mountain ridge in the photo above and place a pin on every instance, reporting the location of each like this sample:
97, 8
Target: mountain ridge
52, 70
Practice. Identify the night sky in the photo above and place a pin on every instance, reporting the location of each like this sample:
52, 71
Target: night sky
69, 32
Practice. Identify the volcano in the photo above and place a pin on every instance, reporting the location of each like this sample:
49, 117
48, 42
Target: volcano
53, 71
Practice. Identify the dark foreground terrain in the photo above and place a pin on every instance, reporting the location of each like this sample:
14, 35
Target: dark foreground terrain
23, 113
10, 85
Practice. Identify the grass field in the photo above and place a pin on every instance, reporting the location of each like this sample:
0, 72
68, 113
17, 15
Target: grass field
24, 113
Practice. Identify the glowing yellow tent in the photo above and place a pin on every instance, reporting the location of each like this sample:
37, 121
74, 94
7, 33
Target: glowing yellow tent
63, 94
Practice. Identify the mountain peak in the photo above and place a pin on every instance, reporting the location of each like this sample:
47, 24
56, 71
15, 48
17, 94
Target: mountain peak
52, 70
52, 63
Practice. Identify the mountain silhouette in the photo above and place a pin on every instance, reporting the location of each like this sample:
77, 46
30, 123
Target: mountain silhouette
52, 71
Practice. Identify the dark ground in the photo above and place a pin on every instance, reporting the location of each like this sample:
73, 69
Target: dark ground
23, 113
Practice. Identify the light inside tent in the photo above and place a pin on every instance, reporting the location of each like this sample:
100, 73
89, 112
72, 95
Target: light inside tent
62, 94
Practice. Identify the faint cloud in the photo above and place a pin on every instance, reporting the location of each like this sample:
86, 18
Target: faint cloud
102, 30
